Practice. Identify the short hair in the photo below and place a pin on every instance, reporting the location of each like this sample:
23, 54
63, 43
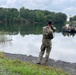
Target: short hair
50, 22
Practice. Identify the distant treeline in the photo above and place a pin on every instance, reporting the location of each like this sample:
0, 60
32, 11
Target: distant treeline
10, 15
73, 18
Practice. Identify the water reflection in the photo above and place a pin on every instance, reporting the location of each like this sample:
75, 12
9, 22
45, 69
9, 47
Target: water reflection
68, 34
5, 39
63, 48
14, 29
25, 39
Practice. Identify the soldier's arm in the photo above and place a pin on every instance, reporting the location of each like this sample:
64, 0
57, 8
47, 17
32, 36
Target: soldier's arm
51, 35
53, 28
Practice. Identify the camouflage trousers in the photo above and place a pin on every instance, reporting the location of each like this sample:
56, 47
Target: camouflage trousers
46, 46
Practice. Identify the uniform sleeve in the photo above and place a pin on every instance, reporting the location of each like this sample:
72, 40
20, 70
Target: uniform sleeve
53, 28
45, 31
51, 35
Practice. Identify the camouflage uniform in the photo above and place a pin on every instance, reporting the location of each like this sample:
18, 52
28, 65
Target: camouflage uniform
46, 44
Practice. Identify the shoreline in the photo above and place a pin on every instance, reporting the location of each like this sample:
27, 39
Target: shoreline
66, 66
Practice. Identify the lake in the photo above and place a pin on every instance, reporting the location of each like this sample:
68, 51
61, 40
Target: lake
63, 48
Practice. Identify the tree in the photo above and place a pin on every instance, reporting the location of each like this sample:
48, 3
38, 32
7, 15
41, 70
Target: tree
12, 14
60, 18
24, 13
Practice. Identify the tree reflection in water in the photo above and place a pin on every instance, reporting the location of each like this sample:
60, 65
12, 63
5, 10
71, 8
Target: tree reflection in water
5, 38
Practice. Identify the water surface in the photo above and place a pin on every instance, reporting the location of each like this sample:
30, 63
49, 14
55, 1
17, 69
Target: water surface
63, 48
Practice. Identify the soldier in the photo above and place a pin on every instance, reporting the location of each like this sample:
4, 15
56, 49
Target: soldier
46, 42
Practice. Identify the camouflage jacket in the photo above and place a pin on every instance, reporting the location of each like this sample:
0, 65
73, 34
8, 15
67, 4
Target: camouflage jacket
47, 33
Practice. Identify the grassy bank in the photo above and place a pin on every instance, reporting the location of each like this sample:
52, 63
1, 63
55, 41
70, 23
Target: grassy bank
16, 67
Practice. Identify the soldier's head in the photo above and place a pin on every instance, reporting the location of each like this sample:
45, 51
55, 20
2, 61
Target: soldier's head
50, 22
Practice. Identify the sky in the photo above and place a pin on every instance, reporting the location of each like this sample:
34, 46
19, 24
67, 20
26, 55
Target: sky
65, 6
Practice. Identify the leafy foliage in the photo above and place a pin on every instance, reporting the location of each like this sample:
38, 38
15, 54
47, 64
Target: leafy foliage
27, 16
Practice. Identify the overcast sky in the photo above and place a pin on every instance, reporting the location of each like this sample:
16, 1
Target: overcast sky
66, 6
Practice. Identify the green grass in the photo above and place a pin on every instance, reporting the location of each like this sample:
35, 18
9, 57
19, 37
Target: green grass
16, 67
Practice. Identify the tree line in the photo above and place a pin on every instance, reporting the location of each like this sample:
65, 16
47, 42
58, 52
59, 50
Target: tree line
30, 16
